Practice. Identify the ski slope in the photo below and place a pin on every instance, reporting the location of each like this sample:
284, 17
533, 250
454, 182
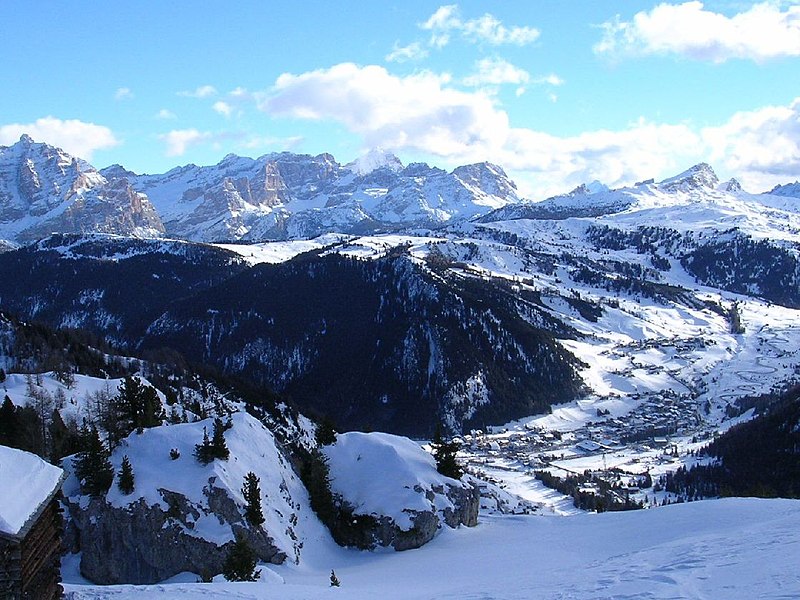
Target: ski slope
733, 548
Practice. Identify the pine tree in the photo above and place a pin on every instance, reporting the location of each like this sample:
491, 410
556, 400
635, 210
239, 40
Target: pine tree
315, 474
334, 579
445, 455
126, 480
218, 445
326, 432
204, 452
9, 424
240, 564
252, 495
92, 466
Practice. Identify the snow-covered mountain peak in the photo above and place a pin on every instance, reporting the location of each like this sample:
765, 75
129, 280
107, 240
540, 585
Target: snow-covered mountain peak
699, 176
791, 190
44, 189
377, 158
732, 186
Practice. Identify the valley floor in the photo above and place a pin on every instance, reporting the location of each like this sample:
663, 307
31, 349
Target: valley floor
731, 548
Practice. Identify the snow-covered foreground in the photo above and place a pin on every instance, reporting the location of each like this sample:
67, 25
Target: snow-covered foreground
733, 548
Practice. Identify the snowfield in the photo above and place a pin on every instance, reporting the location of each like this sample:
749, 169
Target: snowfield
734, 548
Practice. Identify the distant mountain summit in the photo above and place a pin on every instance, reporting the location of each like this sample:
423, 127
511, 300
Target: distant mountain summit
281, 196
43, 189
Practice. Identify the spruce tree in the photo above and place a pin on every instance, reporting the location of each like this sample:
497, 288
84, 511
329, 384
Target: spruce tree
204, 452
218, 445
444, 452
92, 466
326, 432
240, 564
252, 495
9, 424
126, 480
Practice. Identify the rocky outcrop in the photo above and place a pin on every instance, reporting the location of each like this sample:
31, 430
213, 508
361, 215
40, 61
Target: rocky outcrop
371, 531
388, 493
146, 544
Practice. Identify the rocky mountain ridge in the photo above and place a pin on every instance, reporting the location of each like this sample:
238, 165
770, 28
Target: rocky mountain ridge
43, 189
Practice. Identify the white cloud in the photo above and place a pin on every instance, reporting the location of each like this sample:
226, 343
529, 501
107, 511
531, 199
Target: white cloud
496, 71
411, 52
763, 32
424, 114
223, 108
204, 91
418, 111
551, 79
761, 147
75, 137
165, 114
123, 93
446, 20
180, 140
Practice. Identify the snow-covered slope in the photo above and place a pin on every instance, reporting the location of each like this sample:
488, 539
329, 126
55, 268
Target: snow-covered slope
733, 549
45, 190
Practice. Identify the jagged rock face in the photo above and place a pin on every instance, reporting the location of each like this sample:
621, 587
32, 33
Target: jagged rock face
288, 195
698, 177
145, 544
44, 190
383, 531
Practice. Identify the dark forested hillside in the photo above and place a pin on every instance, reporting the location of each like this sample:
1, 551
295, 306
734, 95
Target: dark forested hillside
381, 344
760, 457
376, 344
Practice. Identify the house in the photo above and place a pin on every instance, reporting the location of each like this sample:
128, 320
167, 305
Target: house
30, 527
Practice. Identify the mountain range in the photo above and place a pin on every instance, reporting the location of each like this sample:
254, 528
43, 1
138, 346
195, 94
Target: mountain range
43, 190
487, 309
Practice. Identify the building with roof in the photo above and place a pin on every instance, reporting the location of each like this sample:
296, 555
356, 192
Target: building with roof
30, 527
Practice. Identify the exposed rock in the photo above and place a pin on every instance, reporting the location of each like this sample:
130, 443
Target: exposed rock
145, 544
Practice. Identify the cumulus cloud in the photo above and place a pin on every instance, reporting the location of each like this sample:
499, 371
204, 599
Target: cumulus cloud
424, 113
204, 91
418, 111
765, 31
123, 93
762, 147
400, 54
165, 114
75, 137
447, 21
223, 108
496, 71
178, 141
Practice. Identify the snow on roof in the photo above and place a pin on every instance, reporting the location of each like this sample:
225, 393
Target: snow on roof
377, 473
26, 482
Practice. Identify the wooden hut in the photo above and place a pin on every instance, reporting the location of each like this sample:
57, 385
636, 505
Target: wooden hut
30, 527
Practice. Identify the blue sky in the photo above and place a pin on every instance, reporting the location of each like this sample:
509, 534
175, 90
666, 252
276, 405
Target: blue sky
558, 93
